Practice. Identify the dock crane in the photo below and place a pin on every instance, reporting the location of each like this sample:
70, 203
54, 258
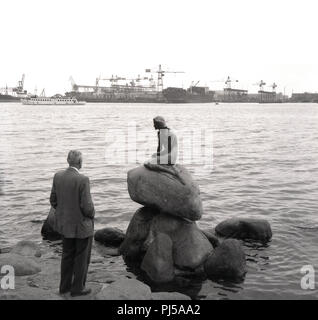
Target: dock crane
261, 85
161, 73
273, 86
114, 79
228, 82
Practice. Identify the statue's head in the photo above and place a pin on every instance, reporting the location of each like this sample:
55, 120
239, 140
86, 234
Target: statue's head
159, 123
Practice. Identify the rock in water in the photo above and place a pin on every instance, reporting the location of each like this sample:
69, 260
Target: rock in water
245, 228
158, 262
190, 246
47, 231
176, 194
137, 233
22, 265
227, 261
109, 236
26, 248
211, 237
125, 289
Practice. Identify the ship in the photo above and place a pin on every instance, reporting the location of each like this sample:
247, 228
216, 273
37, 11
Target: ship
193, 94
13, 94
55, 100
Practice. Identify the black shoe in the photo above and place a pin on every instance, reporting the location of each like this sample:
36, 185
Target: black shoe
81, 293
64, 292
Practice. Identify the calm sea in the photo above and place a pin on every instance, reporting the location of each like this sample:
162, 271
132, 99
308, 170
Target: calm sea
264, 166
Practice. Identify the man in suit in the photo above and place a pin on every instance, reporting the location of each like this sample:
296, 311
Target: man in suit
74, 220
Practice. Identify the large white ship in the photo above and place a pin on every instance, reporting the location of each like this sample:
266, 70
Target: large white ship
34, 100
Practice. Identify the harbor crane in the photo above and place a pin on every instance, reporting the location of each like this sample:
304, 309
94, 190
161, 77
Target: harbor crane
229, 81
161, 73
114, 80
273, 86
261, 85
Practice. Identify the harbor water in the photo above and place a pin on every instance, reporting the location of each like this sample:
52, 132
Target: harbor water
264, 166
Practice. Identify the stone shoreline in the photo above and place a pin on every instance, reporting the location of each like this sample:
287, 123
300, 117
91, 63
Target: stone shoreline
105, 284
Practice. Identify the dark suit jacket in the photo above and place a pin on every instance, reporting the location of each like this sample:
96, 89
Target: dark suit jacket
71, 197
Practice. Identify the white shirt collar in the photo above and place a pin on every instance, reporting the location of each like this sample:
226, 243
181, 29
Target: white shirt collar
75, 168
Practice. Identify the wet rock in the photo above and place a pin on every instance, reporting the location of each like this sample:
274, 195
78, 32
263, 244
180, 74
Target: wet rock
227, 261
27, 248
190, 245
211, 237
158, 261
177, 195
22, 265
169, 296
245, 228
48, 232
136, 234
109, 236
125, 289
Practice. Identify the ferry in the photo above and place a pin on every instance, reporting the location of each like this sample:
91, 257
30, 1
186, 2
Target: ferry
35, 100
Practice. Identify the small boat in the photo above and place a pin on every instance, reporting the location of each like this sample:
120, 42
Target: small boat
35, 100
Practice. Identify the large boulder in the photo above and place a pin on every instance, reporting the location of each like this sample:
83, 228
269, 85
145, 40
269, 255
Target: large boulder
227, 261
27, 248
190, 245
211, 237
125, 289
133, 246
48, 229
22, 265
245, 228
158, 261
109, 236
174, 193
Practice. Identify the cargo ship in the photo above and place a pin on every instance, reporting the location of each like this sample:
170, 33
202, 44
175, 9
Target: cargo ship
193, 94
13, 94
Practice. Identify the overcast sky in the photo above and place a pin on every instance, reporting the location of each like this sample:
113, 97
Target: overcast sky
250, 40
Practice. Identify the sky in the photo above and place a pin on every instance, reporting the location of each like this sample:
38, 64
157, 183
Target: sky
248, 40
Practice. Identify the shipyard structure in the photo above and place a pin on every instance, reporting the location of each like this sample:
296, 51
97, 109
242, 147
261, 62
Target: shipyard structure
150, 89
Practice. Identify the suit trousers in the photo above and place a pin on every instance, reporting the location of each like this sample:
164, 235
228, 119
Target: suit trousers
74, 265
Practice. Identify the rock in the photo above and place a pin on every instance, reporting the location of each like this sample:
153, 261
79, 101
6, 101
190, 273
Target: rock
227, 261
29, 293
158, 262
190, 245
47, 231
166, 192
136, 234
22, 265
245, 228
125, 289
109, 236
27, 248
169, 296
211, 237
